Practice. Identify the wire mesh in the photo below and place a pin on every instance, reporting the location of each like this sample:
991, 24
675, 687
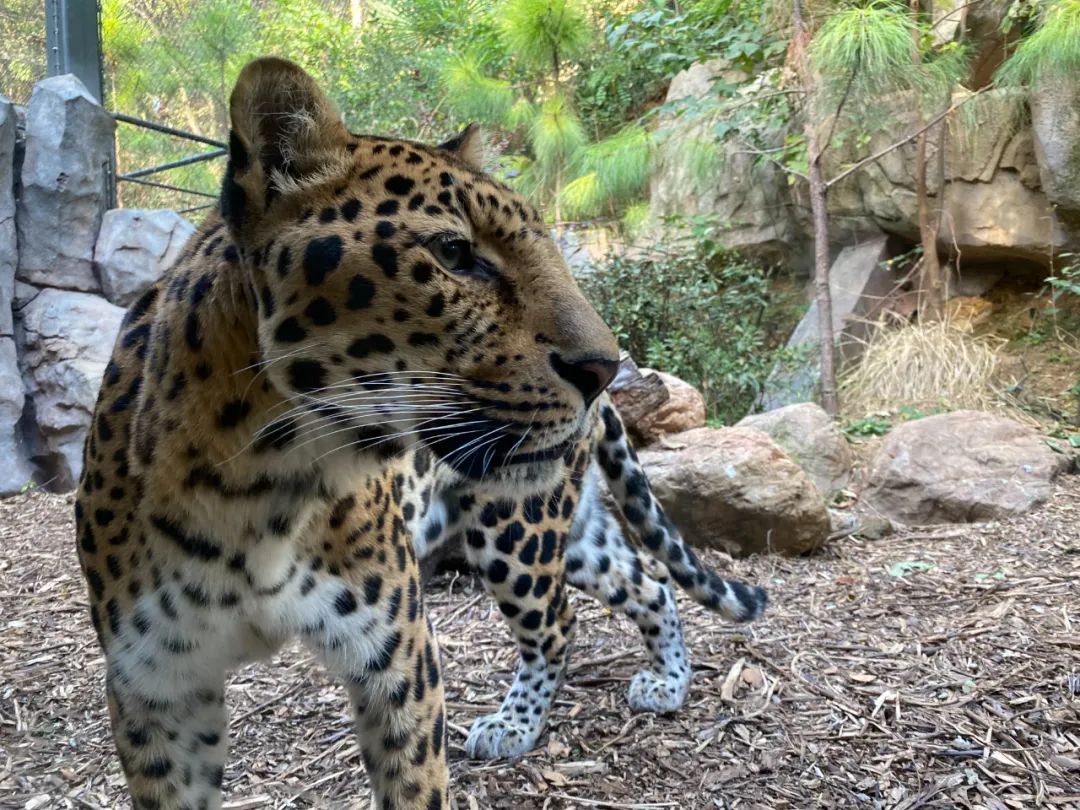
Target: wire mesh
173, 62
167, 68
23, 54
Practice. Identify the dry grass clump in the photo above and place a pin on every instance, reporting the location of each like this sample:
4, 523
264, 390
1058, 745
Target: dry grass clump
928, 366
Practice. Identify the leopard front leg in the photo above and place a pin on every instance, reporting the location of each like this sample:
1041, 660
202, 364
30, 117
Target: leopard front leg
370, 628
519, 552
172, 751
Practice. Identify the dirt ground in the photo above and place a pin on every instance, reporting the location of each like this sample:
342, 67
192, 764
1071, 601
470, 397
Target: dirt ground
938, 669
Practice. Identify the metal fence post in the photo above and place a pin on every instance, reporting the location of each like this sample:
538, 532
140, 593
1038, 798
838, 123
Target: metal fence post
73, 42
73, 39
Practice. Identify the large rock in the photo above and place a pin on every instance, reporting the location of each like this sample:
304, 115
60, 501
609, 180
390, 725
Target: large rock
806, 433
1005, 219
1055, 122
135, 247
859, 284
653, 404
9, 252
959, 467
67, 340
734, 489
15, 470
993, 204
69, 141
986, 43
695, 175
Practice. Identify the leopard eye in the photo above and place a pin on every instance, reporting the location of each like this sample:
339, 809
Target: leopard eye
454, 254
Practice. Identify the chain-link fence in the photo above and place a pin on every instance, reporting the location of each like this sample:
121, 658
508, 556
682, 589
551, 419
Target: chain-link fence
172, 63
23, 48
157, 56
165, 68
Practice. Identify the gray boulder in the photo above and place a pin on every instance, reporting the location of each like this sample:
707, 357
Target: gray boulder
9, 252
69, 139
734, 489
695, 175
859, 284
67, 341
806, 433
134, 247
15, 470
994, 206
1055, 121
964, 466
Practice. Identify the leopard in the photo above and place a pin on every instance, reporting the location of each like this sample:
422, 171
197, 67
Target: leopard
358, 318
469, 518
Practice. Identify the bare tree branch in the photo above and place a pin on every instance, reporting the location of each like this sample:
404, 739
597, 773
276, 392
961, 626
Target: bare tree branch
907, 139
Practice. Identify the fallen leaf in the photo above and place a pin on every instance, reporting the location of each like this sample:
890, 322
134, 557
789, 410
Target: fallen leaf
907, 566
753, 678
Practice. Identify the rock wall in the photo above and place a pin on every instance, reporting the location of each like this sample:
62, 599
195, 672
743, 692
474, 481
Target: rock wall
69, 139
68, 268
750, 198
15, 470
1011, 188
994, 204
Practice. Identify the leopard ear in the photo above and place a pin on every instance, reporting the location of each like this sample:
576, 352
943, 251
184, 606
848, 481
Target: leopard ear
468, 147
283, 129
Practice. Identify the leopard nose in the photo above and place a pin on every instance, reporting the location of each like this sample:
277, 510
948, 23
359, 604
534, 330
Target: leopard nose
590, 375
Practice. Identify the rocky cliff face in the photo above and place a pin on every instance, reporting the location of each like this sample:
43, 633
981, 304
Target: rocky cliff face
993, 201
694, 176
67, 269
1011, 160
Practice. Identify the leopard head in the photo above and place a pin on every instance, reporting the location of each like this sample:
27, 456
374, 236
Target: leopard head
400, 289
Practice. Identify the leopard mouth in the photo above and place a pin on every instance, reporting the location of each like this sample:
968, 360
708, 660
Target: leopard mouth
479, 448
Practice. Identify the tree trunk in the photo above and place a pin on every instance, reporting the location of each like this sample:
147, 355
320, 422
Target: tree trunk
931, 281
819, 212
558, 202
931, 277
555, 65
822, 292
356, 13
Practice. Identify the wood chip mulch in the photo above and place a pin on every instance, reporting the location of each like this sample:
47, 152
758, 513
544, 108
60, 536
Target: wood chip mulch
938, 668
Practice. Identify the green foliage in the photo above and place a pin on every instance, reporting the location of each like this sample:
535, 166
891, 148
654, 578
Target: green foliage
583, 196
620, 162
540, 33
868, 426
878, 424
174, 62
1066, 280
634, 218
561, 82
874, 43
474, 95
424, 24
556, 132
1053, 49
694, 310
22, 48
640, 51
866, 54
608, 172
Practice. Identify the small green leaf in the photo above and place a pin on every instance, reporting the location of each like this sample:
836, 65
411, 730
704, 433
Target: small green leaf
907, 566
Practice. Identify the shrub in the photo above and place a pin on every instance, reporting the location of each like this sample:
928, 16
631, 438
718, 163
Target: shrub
695, 310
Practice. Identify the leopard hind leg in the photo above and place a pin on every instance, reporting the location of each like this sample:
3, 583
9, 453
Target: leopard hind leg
600, 562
